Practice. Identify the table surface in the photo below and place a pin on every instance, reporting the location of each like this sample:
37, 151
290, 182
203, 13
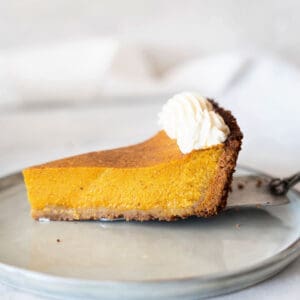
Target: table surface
34, 136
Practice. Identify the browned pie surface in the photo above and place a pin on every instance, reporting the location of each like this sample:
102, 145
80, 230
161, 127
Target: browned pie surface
156, 150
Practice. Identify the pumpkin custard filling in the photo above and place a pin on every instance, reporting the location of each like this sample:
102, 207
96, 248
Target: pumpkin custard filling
184, 170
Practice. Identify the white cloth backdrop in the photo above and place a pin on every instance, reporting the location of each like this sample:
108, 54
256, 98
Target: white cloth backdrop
86, 69
60, 99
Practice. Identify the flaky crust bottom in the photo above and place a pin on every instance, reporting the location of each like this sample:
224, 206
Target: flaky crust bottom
214, 202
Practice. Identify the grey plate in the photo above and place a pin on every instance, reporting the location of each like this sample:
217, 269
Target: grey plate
192, 258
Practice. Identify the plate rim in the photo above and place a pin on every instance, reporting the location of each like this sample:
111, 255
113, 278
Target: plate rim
285, 256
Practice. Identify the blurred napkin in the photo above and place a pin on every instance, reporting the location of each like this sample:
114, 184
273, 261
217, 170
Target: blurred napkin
83, 70
70, 71
262, 91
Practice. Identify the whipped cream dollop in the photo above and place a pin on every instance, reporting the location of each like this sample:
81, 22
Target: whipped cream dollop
191, 120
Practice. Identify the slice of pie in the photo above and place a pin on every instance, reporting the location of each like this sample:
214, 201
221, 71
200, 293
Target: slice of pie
150, 180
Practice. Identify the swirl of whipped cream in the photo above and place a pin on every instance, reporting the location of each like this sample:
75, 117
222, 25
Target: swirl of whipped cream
191, 120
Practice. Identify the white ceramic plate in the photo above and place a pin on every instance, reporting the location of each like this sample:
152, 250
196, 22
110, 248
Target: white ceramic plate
187, 259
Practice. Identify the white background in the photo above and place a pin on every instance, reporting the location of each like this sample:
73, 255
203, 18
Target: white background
171, 30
